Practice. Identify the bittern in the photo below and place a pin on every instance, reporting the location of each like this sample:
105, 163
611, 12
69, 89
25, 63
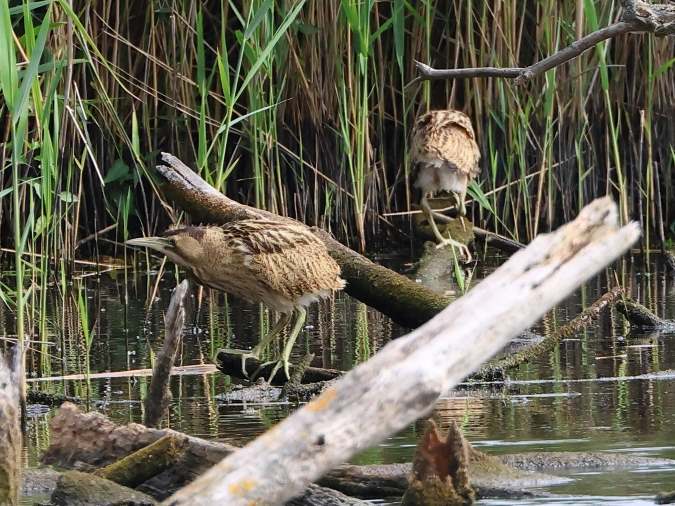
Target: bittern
277, 262
445, 155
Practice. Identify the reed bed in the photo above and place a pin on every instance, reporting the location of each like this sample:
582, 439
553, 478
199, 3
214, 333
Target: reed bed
304, 108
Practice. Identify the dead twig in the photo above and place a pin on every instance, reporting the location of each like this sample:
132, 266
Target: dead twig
638, 17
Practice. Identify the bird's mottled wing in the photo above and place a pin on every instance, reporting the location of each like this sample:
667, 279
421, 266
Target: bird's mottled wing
447, 136
287, 256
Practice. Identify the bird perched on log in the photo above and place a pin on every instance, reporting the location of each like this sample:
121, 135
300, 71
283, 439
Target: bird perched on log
445, 155
277, 262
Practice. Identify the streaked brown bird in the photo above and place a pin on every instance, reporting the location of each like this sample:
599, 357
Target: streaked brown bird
279, 263
445, 155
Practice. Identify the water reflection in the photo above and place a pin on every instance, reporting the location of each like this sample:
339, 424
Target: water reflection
545, 406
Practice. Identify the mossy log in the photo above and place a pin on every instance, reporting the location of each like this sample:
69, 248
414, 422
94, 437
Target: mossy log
641, 317
94, 440
145, 463
403, 300
495, 370
75, 488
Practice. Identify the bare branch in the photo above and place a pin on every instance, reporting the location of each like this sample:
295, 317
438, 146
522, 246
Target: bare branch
637, 17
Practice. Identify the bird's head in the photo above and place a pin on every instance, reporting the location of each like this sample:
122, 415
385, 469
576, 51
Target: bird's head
182, 246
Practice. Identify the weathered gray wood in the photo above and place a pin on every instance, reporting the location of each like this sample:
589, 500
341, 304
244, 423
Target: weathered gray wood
159, 395
403, 380
11, 378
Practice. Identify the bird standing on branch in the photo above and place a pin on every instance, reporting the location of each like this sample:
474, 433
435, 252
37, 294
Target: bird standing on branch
279, 263
445, 155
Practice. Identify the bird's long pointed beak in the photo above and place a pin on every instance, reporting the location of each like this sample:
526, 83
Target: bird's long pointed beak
157, 243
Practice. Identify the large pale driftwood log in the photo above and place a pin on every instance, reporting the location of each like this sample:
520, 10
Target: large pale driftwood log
159, 394
403, 300
92, 440
393, 389
11, 458
637, 16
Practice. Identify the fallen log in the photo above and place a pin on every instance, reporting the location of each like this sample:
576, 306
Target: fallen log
159, 395
405, 378
230, 364
406, 302
496, 371
641, 317
102, 441
138, 467
505, 244
11, 438
75, 488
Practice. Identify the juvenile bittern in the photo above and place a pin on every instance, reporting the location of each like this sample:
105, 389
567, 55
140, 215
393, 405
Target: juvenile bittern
445, 155
279, 263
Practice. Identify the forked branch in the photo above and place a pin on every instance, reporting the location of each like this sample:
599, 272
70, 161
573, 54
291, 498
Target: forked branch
637, 16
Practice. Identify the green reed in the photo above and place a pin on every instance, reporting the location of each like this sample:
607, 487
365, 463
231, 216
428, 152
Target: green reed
302, 108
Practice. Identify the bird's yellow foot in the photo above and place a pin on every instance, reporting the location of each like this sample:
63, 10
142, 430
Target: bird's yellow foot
245, 355
278, 364
464, 253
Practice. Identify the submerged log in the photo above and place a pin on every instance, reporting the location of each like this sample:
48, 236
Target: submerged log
230, 364
159, 394
400, 298
496, 371
440, 470
641, 317
405, 378
11, 439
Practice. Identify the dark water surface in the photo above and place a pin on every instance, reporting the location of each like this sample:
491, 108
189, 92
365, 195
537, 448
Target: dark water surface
559, 402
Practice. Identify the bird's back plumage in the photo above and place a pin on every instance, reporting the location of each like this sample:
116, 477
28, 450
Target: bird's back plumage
444, 151
280, 263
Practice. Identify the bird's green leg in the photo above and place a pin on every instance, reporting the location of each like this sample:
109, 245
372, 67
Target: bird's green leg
443, 241
300, 316
264, 342
461, 206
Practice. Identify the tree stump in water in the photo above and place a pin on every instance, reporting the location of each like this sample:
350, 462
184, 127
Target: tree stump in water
440, 472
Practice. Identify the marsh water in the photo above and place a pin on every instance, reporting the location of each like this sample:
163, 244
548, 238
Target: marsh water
597, 391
